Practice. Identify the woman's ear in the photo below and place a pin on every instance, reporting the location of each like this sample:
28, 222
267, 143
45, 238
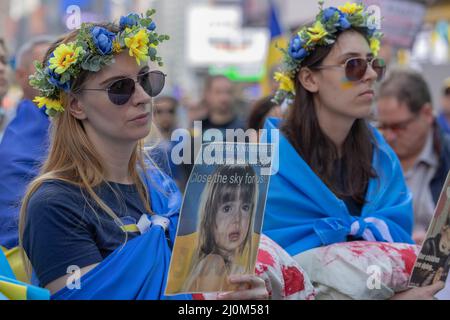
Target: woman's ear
76, 108
308, 80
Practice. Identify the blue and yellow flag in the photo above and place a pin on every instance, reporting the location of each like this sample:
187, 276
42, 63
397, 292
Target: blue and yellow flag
274, 56
12, 289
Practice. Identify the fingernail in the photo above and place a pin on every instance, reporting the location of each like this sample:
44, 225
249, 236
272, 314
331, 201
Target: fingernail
221, 295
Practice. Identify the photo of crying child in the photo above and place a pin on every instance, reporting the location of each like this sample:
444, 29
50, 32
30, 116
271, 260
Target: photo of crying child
228, 218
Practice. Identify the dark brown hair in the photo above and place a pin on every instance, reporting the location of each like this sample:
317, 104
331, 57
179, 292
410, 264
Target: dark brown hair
260, 110
303, 131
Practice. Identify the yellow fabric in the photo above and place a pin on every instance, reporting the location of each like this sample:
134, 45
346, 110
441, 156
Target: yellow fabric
16, 263
13, 291
274, 58
130, 228
184, 249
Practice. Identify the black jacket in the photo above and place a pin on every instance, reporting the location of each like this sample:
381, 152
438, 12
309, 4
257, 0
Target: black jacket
442, 147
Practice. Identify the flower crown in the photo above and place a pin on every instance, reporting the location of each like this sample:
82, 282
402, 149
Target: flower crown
323, 32
94, 48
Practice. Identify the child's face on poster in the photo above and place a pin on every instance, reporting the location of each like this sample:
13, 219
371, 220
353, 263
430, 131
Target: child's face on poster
232, 222
444, 244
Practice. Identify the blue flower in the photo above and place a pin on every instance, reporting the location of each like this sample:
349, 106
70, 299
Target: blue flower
344, 23
55, 79
152, 26
330, 12
371, 30
296, 48
103, 40
129, 21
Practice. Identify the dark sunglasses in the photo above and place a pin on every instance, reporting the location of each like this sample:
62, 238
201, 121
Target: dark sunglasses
120, 91
356, 68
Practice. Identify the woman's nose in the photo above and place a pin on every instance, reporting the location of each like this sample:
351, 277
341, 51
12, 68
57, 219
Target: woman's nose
140, 96
370, 74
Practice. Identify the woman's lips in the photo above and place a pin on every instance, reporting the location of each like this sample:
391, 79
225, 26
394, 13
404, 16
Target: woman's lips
369, 94
142, 118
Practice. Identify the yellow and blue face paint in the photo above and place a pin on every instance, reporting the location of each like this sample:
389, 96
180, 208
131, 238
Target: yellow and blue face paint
347, 84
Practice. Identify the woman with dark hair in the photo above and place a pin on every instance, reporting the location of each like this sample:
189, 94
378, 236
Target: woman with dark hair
338, 180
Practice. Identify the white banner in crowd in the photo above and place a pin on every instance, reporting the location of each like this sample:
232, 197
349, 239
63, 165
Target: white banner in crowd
215, 36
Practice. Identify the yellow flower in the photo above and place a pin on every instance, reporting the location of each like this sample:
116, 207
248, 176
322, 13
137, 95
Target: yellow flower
317, 32
49, 103
286, 83
117, 47
351, 8
64, 56
138, 46
375, 46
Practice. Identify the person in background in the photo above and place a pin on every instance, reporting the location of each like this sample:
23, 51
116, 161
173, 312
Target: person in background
195, 111
218, 102
405, 117
164, 113
263, 109
218, 98
444, 117
24, 144
3, 85
165, 110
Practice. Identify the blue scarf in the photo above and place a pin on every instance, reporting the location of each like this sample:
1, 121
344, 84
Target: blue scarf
138, 270
303, 213
22, 150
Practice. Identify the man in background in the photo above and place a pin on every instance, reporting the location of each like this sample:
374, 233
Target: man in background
219, 101
405, 115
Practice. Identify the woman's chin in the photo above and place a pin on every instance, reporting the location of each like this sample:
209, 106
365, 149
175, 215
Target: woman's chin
139, 134
362, 111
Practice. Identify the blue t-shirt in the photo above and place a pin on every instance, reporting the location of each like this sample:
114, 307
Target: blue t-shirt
62, 229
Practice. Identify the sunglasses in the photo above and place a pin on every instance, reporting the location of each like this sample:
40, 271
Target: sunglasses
356, 68
397, 127
120, 91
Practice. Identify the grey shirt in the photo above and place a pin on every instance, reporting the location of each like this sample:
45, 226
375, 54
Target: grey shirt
418, 179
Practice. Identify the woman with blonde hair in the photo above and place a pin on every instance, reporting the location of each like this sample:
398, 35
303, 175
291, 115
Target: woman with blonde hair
99, 218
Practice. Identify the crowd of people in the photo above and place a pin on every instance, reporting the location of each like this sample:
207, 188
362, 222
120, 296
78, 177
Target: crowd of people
74, 177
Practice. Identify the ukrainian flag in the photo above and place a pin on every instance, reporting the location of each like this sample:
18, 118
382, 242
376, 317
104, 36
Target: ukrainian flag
12, 289
274, 56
